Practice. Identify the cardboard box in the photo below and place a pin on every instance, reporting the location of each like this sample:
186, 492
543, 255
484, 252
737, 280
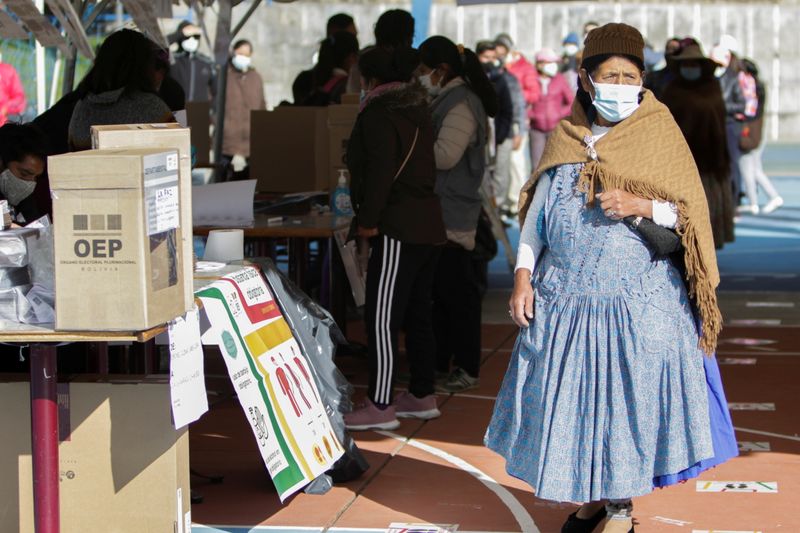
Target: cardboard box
299, 149
165, 137
198, 116
123, 466
118, 253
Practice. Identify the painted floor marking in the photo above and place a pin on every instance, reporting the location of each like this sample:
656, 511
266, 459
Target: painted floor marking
723, 531
670, 521
787, 305
768, 434
750, 446
737, 360
756, 322
748, 341
522, 517
745, 406
769, 487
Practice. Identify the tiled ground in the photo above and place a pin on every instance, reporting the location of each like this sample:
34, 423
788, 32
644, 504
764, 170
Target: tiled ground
429, 471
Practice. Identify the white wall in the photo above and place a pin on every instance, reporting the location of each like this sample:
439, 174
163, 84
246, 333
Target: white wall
285, 36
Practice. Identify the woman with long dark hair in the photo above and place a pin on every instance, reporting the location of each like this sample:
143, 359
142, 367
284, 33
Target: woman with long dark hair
121, 88
613, 388
337, 55
462, 98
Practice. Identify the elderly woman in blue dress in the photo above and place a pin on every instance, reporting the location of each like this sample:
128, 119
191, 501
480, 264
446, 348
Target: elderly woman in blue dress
613, 389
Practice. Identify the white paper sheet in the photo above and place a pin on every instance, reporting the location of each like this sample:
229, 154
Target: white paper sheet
186, 375
228, 204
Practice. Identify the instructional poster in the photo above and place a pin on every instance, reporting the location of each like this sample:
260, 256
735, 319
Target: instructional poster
272, 378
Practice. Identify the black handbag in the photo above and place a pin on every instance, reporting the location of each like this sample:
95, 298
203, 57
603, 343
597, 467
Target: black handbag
664, 241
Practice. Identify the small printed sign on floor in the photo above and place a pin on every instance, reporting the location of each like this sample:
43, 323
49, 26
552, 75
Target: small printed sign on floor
770, 487
747, 446
398, 527
745, 406
737, 360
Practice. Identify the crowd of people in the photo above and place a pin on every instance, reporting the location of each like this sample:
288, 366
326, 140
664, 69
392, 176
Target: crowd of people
625, 176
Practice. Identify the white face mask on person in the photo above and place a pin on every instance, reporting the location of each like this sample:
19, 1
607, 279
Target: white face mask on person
720, 71
14, 189
190, 45
550, 69
425, 81
241, 62
571, 49
615, 102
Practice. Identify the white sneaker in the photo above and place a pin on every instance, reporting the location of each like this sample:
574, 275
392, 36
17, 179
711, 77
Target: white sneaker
772, 205
749, 208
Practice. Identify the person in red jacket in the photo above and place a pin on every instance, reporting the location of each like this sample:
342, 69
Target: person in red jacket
12, 94
554, 104
519, 67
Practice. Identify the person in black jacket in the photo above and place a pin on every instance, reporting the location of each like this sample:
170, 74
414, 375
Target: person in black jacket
728, 74
196, 73
393, 171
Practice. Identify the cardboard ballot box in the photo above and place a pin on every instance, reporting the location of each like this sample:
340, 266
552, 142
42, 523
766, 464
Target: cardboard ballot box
165, 137
123, 467
298, 149
117, 229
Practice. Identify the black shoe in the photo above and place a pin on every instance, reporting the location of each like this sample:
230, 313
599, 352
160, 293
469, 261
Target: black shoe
583, 525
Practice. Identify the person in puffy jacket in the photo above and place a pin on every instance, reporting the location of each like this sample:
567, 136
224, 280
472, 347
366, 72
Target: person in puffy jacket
392, 166
554, 103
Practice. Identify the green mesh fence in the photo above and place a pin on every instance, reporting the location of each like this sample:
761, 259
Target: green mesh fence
22, 55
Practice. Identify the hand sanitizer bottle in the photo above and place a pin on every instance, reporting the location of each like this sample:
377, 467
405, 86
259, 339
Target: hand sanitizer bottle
340, 202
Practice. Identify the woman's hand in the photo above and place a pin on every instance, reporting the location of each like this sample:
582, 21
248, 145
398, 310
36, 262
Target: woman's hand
618, 204
366, 232
521, 303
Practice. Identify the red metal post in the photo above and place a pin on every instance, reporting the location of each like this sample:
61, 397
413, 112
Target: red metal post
44, 438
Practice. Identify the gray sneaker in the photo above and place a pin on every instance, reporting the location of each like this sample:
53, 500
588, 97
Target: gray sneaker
459, 381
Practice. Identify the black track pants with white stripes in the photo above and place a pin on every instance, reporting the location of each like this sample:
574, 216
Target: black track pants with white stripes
399, 285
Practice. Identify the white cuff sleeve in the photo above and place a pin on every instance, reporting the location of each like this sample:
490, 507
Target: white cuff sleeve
530, 242
665, 214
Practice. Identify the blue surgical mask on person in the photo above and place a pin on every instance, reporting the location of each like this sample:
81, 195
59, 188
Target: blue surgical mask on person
615, 102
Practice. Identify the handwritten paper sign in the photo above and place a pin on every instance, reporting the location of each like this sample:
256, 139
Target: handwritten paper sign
186, 376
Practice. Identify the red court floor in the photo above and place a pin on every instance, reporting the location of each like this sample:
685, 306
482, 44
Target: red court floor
439, 471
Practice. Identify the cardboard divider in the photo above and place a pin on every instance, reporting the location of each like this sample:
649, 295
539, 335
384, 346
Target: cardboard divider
300, 149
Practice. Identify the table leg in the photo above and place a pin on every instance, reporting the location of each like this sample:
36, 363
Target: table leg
44, 438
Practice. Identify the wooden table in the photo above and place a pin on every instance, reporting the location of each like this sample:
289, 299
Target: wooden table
44, 407
298, 230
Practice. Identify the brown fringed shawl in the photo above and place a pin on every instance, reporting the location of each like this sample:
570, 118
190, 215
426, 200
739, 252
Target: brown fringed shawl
645, 155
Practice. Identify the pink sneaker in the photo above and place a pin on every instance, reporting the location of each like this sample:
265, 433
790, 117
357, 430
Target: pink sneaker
409, 406
370, 417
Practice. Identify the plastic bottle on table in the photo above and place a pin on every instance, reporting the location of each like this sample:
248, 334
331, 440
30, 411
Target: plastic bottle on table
340, 201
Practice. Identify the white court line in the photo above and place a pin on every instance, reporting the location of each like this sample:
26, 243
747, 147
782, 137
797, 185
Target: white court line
670, 521
520, 514
750, 406
768, 434
749, 446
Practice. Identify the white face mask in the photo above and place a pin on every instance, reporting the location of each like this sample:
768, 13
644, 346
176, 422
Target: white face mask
241, 62
190, 45
570, 49
615, 102
720, 71
425, 81
14, 189
691, 73
550, 69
